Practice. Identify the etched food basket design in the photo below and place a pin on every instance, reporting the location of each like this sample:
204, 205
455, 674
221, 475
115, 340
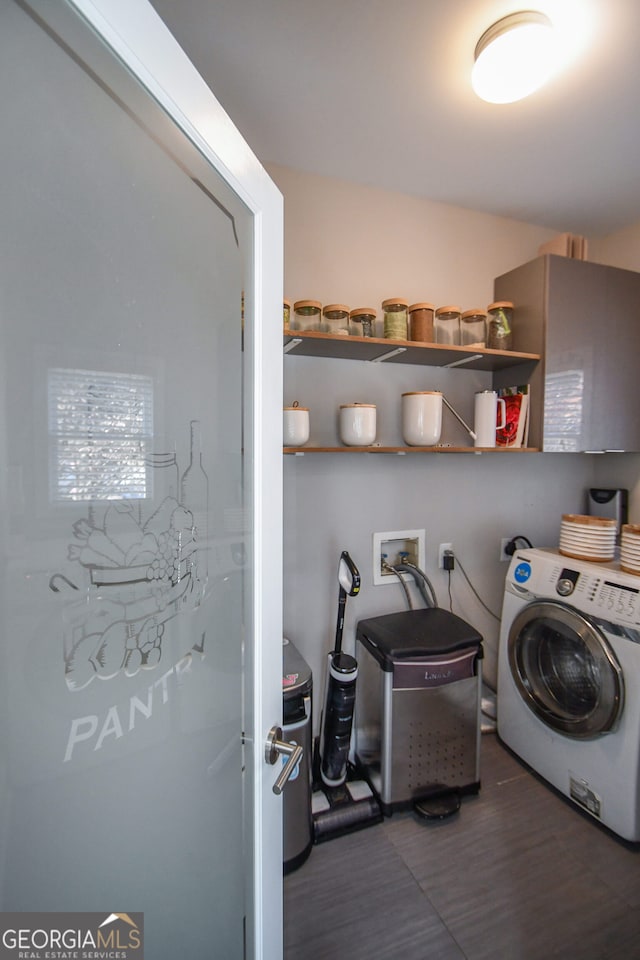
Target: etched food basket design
141, 572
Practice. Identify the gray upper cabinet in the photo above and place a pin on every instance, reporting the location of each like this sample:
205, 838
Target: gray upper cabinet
584, 319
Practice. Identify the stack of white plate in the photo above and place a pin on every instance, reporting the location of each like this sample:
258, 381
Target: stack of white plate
588, 538
630, 548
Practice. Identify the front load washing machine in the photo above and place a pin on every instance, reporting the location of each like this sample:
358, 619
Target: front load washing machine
569, 681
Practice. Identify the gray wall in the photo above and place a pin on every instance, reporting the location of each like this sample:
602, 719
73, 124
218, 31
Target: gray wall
334, 502
351, 244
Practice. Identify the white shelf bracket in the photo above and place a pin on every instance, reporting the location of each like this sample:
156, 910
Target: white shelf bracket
388, 355
459, 363
292, 344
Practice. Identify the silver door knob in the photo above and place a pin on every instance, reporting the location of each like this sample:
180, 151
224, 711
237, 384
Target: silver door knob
277, 747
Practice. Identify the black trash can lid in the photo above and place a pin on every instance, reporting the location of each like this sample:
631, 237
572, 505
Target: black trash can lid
416, 633
296, 672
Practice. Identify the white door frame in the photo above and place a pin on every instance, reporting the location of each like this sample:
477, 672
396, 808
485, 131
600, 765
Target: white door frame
138, 36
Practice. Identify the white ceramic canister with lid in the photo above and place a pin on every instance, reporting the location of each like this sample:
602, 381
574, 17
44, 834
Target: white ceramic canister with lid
295, 426
422, 418
358, 424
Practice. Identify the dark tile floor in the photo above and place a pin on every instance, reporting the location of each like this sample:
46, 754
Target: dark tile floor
518, 874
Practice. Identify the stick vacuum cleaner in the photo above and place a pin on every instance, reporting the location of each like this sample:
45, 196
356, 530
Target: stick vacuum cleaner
343, 803
340, 700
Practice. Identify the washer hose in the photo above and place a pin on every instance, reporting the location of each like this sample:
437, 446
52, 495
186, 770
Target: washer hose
420, 578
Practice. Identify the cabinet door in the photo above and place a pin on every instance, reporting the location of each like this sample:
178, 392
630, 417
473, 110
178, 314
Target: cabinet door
592, 339
584, 318
620, 348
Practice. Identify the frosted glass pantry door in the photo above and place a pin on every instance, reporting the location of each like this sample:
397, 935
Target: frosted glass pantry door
140, 639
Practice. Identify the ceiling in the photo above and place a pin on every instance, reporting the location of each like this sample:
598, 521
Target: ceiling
377, 92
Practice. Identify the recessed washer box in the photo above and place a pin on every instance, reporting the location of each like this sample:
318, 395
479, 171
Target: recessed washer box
391, 545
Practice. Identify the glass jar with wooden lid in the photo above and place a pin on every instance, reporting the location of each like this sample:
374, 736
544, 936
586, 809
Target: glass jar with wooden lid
473, 328
307, 314
363, 322
421, 322
500, 325
395, 318
286, 313
446, 325
336, 319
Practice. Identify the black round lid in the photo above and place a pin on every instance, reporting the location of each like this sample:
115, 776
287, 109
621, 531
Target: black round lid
343, 663
416, 633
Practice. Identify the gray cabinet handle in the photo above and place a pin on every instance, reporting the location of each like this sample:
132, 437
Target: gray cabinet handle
276, 747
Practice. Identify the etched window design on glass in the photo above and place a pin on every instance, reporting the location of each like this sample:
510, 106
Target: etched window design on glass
100, 425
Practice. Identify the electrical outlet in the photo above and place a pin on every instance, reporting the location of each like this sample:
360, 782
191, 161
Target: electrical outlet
503, 543
441, 550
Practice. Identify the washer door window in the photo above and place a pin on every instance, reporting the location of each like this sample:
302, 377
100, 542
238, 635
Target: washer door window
565, 670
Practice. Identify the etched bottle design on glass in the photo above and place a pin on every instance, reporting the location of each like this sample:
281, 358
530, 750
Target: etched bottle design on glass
164, 475
194, 494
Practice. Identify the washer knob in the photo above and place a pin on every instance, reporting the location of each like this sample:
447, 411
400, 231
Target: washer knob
565, 586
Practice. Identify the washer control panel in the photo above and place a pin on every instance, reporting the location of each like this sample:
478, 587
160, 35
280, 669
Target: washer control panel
601, 590
601, 595
616, 602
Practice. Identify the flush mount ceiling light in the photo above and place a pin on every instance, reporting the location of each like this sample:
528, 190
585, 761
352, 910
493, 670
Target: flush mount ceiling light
514, 57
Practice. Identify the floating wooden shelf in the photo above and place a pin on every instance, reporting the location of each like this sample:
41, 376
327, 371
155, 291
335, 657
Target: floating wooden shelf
400, 451
375, 350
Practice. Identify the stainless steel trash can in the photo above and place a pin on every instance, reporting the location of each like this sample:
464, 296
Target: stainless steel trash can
297, 689
418, 705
